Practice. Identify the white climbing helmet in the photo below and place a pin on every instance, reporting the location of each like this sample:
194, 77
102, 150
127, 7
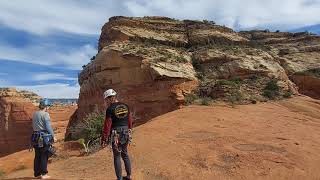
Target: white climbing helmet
108, 93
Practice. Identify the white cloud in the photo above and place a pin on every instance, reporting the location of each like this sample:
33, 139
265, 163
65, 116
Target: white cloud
42, 16
43, 54
57, 90
87, 17
248, 13
51, 76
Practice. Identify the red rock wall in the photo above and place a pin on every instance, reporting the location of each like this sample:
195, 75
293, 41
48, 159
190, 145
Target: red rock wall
308, 85
15, 124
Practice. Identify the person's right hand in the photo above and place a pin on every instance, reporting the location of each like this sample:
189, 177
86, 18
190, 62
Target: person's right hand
103, 142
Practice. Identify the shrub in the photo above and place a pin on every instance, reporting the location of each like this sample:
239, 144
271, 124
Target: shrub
287, 94
181, 59
272, 85
190, 98
85, 145
272, 89
196, 64
93, 125
235, 82
235, 96
206, 101
2, 174
266, 30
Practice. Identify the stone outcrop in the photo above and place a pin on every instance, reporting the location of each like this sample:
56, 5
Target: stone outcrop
308, 82
154, 62
15, 120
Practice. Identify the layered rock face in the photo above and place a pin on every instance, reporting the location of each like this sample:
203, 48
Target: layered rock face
15, 121
298, 54
154, 62
308, 82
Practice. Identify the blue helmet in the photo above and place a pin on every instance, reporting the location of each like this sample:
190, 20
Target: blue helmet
44, 103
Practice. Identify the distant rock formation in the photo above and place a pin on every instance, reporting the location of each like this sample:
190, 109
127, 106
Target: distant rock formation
15, 120
155, 62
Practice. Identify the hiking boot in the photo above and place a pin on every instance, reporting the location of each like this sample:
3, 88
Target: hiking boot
126, 178
45, 176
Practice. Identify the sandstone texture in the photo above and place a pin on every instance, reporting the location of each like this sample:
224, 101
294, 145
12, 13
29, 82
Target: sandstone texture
15, 120
155, 63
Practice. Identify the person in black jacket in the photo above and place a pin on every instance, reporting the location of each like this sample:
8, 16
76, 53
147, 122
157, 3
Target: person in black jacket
117, 131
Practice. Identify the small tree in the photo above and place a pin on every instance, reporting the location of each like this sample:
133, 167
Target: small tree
93, 125
272, 90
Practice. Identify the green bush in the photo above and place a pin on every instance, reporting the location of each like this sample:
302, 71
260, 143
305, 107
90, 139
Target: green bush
235, 82
206, 101
287, 94
2, 174
181, 59
196, 64
190, 98
93, 125
85, 145
235, 96
272, 90
272, 85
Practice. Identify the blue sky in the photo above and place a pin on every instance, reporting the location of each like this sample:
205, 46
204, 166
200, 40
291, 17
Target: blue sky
44, 43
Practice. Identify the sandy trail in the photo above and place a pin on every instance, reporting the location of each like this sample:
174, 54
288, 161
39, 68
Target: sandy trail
274, 140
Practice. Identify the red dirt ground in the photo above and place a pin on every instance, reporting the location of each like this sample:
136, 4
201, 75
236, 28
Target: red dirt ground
273, 140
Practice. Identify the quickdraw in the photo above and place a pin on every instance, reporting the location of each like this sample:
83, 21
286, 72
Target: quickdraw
117, 138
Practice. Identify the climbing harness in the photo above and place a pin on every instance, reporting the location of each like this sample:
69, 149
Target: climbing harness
41, 139
119, 137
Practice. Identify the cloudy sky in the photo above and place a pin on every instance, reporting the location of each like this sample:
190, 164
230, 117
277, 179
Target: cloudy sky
44, 43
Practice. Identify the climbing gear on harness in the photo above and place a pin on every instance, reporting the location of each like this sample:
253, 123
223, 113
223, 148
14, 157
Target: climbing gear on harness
108, 93
41, 139
119, 137
129, 136
115, 140
51, 150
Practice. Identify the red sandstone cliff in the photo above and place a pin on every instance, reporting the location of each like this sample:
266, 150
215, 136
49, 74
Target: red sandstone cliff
154, 62
15, 121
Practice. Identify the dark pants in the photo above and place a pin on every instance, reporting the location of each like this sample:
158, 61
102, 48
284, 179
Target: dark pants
117, 160
40, 161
